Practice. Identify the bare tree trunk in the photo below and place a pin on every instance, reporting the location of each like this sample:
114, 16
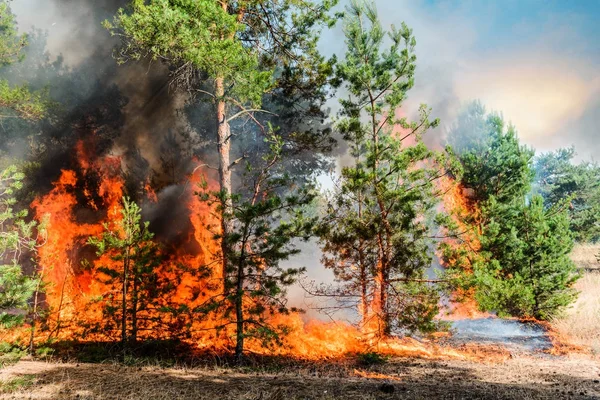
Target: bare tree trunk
124, 302
224, 147
134, 305
239, 315
34, 312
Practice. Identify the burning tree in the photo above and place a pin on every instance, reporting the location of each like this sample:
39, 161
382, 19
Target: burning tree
269, 214
521, 266
376, 234
228, 53
129, 272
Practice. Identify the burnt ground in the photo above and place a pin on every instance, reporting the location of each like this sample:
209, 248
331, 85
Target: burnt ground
516, 378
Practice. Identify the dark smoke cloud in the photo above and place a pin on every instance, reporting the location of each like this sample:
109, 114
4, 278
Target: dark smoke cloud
76, 38
127, 111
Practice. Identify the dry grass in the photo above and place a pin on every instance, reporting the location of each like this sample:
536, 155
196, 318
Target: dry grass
515, 379
585, 256
581, 324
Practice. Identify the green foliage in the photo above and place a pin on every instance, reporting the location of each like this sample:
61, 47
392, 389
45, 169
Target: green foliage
502, 168
375, 232
44, 351
559, 179
132, 277
10, 353
520, 265
17, 239
525, 269
270, 214
17, 384
201, 33
11, 43
18, 99
234, 41
470, 131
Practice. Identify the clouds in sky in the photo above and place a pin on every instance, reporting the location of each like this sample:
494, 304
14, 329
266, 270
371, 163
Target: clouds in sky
537, 62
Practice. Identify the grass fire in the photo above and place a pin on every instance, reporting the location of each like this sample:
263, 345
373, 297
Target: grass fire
313, 199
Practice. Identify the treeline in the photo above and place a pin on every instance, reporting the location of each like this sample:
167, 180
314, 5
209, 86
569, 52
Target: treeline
253, 70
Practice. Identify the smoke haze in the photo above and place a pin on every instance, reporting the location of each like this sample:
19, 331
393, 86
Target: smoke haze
536, 62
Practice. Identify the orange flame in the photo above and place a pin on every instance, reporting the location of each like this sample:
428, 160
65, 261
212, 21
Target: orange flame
72, 287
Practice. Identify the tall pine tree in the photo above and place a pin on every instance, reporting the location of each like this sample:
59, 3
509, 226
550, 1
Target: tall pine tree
227, 52
376, 234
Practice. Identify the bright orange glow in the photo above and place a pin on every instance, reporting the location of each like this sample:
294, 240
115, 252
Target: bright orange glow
76, 209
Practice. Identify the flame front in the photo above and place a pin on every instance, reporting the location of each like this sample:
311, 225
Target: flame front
75, 211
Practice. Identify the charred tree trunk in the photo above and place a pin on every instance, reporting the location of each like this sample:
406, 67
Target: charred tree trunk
239, 315
134, 308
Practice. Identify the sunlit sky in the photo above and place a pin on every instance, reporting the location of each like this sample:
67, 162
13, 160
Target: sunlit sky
537, 62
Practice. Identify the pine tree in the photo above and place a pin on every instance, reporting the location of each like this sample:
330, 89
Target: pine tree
525, 270
227, 52
18, 99
376, 233
559, 179
18, 240
269, 215
131, 274
520, 266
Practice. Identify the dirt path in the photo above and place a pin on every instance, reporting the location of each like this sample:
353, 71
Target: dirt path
523, 378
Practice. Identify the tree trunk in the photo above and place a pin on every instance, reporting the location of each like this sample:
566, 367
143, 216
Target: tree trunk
380, 309
34, 313
224, 147
364, 302
124, 302
239, 315
134, 305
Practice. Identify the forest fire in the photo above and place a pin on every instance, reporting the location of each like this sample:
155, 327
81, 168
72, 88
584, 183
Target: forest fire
251, 193
83, 202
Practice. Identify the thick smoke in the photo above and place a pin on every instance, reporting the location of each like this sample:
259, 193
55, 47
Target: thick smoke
130, 111
75, 36
126, 110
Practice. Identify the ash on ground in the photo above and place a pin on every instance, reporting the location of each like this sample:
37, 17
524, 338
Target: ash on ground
518, 336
